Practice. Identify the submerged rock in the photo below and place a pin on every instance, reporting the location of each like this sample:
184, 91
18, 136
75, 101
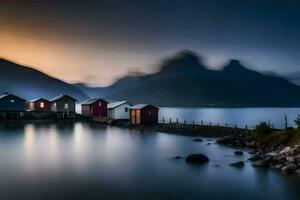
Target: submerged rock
255, 157
198, 140
177, 157
252, 152
297, 171
197, 158
238, 164
289, 168
239, 153
261, 163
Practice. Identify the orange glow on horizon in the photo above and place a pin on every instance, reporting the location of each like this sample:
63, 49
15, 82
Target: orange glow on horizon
67, 60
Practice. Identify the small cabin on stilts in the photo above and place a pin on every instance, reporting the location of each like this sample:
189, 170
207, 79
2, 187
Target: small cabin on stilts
39, 104
119, 110
95, 108
144, 114
64, 106
12, 107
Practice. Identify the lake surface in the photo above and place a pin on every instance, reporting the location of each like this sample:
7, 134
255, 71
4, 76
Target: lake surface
232, 116
90, 161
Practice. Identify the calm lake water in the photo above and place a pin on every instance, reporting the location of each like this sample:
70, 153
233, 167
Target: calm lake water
232, 116
90, 161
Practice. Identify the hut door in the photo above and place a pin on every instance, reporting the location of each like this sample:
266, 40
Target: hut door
133, 117
138, 116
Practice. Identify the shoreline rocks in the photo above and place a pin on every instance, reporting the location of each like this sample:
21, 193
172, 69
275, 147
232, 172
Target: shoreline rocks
281, 157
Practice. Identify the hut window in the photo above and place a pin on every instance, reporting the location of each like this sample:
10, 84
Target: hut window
126, 109
12, 101
42, 105
149, 112
99, 103
66, 106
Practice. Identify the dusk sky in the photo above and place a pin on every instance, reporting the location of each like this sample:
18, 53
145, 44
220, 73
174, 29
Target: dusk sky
97, 41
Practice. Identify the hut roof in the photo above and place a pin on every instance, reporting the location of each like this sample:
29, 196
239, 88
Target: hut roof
91, 101
116, 104
37, 99
141, 106
61, 96
7, 94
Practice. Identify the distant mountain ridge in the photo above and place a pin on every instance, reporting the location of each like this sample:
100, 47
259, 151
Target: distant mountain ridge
29, 83
183, 80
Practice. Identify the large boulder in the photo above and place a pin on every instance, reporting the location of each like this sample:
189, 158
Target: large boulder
197, 158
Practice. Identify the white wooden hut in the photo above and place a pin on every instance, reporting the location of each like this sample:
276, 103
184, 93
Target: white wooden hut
119, 110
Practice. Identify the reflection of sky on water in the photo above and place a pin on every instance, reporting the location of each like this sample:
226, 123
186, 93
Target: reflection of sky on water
231, 116
100, 162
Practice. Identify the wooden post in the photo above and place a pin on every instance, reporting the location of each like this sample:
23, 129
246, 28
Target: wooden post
201, 122
184, 121
285, 122
170, 120
226, 125
235, 126
176, 120
246, 127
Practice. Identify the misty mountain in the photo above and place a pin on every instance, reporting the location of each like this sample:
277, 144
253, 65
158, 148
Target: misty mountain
120, 84
293, 77
183, 80
29, 83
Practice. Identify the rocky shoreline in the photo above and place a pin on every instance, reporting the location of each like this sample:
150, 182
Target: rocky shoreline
282, 157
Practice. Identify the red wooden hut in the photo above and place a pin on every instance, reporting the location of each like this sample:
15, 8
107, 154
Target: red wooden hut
94, 108
144, 114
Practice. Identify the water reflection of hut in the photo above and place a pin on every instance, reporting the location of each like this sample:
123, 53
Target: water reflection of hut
12, 107
144, 114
